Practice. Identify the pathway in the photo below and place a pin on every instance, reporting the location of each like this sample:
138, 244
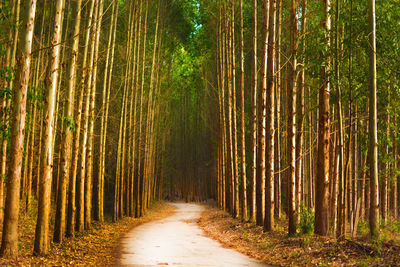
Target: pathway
178, 241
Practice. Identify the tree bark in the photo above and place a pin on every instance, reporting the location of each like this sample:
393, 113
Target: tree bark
291, 143
373, 131
254, 94
321, 223
242, 121
68, 125
41, 246
9, 244
270, 119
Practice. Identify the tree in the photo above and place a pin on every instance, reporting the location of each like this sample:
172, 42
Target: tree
321, 223
42, 224
242, 121
270, 120
291, 137
71, 215
373, 131
254, 93
68, 125
262, 98
9, 243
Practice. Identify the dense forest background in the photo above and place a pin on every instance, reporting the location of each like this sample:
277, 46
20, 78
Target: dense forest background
276, 109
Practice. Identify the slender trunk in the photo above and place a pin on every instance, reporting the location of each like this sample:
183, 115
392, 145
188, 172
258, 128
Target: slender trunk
68, 127
42, 225
373, 131
300, 117
234, 120
270, 119
5, 108
99, 212
341, 222
321, 223
291, 143
278, 85
9, 244
78, 124
242, 121
253, 146
140, 182
83, 183
89, 163
260, 197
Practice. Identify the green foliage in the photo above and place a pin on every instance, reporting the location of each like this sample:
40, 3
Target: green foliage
70, 123
306, 224
394, 226
363, 227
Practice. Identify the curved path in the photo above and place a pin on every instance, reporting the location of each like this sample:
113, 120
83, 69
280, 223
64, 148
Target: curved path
178, 241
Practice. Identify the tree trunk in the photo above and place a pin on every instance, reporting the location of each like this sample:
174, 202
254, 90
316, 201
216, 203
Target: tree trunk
242, 121
78, 122
270, 119
42, 226
278, 89
9, 244
69, 126
321, 223
291, 143
89, 166
373, 131
254, 94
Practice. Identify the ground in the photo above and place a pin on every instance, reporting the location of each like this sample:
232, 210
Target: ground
97, 246
277, 248
111, 243
177, 240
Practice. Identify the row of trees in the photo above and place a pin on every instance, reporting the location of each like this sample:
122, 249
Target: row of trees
305, 143
81, 113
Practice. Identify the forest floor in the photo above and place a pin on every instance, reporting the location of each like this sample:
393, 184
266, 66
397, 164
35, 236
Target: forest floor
97, 246
277, 248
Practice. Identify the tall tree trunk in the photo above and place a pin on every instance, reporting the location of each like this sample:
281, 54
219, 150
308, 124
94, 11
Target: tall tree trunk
9, 243
83, 182
341, 221
42, 225
242, 121
254, 94
260, 197
99, 211
78, 125
89, 165
140, 184
234, 117
373, 131
321, 223
278, 89
300, 118
270, 119
291, 142
69, 126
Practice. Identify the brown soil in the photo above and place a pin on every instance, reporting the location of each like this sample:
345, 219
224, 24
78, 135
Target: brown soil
277, 248
97, 246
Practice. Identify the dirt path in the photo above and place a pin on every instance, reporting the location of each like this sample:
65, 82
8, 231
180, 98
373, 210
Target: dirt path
178, 241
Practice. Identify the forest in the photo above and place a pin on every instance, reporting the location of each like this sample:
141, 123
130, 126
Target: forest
283, 113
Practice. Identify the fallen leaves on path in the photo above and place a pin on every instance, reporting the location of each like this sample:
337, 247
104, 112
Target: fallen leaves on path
97, 246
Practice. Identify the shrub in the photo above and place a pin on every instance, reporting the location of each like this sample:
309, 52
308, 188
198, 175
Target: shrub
306, 225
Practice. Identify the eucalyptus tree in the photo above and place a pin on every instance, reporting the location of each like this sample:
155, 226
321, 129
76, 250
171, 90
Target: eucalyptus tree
9, 243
